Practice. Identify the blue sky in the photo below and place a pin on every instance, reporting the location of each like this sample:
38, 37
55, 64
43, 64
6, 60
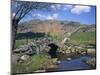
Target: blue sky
78, 13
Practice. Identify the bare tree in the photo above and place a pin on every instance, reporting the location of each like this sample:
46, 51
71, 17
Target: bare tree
19, 10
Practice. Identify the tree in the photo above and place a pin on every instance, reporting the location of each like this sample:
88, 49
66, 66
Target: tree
19, 10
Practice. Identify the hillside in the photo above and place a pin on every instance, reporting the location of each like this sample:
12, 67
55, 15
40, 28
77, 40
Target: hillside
53, 27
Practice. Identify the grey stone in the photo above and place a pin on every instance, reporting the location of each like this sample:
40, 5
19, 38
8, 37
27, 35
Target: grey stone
24, 57
69, 59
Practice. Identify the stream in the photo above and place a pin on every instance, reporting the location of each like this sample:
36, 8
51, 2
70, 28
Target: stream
74, 64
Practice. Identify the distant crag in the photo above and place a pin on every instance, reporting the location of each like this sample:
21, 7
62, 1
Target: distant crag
54, 27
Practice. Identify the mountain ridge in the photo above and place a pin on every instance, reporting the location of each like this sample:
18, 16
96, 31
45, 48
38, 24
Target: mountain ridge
54, 26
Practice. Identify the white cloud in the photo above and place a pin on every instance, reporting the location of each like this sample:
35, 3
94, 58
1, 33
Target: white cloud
13, 14
53, 6
60, 6
52, 17
69, 6
56, 6
55, 15
80, 9
38, 15
66, 7
49, 16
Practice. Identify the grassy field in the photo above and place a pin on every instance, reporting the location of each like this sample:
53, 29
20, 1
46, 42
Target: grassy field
26, 41
34, 63
83, 38
22, 42
77, 38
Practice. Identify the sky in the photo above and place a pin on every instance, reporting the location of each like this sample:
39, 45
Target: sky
79, 13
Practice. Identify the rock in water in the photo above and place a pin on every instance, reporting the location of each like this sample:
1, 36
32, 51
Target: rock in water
59, 62
69, 59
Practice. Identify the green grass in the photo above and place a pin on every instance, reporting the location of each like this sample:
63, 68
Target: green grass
59, 37
22, 42
83, 38
36, 62
76, 38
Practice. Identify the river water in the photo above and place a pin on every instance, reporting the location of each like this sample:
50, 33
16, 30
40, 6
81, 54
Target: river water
74, 64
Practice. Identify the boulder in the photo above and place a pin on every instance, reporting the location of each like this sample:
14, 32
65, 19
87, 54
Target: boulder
69, 59
79, 47
68, 34
14, 58
24, 57
26, 49
83, 53
54, 60
22, 48
30, 52
65, 40
73, 50
91, 52
68, 51
59, 62
69, 47
17, 50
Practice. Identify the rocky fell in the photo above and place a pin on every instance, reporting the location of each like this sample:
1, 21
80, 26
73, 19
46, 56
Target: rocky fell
53, 27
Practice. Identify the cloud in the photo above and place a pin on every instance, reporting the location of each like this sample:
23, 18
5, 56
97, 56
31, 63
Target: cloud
69, 6
13, 14
53, 6
55, 15
66, 7
60, 6
56, 6
38, 15
48, 17
80, 9
52, 17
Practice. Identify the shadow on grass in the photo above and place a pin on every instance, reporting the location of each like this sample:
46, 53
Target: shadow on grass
29, 35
